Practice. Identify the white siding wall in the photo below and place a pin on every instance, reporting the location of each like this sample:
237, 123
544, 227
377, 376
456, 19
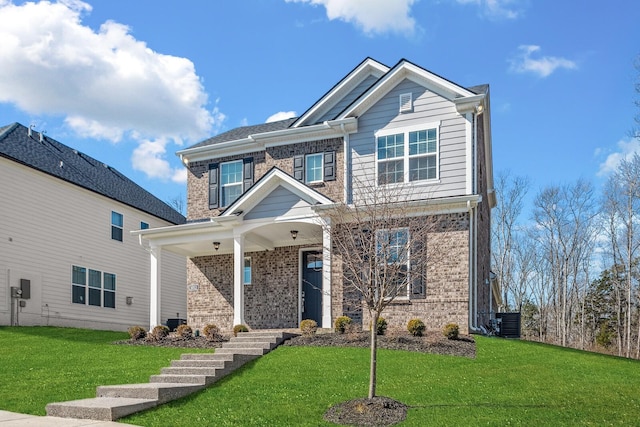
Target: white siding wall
48, 225
427, 108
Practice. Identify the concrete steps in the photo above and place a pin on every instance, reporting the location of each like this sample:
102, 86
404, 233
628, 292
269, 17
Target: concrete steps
191, 373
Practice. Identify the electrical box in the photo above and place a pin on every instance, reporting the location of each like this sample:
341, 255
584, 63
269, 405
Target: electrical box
16, 292
25, 287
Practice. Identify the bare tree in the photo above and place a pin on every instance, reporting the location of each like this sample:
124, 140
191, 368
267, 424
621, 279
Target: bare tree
178, 203
381, 242
510, 191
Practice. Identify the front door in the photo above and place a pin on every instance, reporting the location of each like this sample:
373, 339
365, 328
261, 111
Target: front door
312, 286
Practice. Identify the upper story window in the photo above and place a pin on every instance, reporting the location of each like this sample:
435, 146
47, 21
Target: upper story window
144, 225
407, 155
315, 168
227, 181
117, 223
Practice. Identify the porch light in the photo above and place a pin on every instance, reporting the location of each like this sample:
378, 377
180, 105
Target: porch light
294, 234
216, 245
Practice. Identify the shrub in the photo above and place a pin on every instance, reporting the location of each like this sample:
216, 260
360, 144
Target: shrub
342, 324
451, 331
184, 331
239, 328
212, 332
137, 332
415, 327
308, 327
381, 326
159, 332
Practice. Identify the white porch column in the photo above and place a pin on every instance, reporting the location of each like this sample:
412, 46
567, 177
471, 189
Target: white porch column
155, 281
326, 275
238, 273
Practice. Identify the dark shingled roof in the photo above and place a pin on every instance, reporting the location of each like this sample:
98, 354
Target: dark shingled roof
245, 131
58, 160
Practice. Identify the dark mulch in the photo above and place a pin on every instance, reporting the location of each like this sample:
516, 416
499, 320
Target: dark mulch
379, 411
176, 341
430, 342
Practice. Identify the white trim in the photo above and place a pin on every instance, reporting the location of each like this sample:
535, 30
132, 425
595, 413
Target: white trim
238, 274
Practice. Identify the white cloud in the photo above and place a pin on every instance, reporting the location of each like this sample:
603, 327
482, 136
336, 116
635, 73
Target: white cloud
150, 157
105, 83
543, 67
626, 148
371, 16
496, 9
282, 115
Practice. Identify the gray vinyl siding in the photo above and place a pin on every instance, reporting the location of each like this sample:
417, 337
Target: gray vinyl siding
48, 226
281, 202
348, 99
428, 107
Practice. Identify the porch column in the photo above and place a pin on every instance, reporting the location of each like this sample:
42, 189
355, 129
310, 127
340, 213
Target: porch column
326, 274
238, 272
155, 281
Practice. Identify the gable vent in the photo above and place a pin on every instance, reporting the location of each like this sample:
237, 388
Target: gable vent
406, 104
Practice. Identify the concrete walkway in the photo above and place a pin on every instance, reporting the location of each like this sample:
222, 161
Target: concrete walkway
11, 419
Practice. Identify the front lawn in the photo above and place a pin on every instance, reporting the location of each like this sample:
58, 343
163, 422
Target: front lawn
41, 365
509, 382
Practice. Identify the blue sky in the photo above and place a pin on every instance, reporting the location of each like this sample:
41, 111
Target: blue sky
132, 82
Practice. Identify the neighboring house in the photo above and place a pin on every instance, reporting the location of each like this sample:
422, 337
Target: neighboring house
259, 248
65, 222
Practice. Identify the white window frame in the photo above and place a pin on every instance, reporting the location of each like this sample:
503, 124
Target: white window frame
244, 271
307, 168
405, 131
407, 262
223, 202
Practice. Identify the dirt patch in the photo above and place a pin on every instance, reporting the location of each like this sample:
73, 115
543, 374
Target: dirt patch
431, 342
379, 411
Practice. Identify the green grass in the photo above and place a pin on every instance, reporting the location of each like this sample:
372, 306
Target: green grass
509, 383
40, 365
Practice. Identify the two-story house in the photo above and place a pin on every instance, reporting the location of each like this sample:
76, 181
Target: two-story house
67, 257
258, 237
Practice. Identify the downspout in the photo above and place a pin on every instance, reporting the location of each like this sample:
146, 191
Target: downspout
472, 270
346, 163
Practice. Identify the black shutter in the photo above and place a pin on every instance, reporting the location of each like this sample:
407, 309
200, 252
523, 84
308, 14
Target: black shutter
298, 168
213, 186
330, 166
247, 173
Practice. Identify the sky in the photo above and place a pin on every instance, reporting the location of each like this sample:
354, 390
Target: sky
132, 82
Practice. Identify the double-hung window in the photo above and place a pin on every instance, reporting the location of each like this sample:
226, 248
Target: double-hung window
314, 171
407, 155
117, 223
392, 251
230, 182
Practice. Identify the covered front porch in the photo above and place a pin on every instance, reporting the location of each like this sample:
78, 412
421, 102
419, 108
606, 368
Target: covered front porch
265, 262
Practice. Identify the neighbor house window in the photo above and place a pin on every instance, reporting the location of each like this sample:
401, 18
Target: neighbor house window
79, 285
116, 226
93, 287
392, 250
408, 155
313, 168
144, 225
247, 271
230, 182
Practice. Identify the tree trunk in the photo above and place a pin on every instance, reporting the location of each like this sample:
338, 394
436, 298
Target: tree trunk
374, 355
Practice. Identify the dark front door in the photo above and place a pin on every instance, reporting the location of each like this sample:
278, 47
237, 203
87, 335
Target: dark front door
312, 286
